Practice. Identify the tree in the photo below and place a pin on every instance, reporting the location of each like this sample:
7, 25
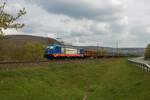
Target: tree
147, 52
104, 51
8, 20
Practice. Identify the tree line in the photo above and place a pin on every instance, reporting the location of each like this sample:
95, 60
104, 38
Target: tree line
147, 52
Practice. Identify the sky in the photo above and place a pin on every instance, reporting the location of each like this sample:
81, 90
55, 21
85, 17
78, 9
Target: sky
86, 22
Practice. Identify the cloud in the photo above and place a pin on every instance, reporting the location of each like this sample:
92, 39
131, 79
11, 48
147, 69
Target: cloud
86, 22
96, 9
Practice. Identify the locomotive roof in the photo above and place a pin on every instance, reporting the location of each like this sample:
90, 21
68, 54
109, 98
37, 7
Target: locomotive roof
66, 46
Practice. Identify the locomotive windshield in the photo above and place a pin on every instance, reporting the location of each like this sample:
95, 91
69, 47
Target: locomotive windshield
49, 50
51, 47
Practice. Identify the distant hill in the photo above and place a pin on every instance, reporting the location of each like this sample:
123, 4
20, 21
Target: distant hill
129, 51
138, 51
22, 39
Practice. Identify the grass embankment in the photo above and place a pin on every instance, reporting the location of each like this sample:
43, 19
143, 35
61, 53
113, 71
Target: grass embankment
113, 79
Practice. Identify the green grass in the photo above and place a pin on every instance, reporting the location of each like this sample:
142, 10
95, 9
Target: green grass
113, 79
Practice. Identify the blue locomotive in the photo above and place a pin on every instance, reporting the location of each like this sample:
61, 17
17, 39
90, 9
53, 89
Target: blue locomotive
59, 51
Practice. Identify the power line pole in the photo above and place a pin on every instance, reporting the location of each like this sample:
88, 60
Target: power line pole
117, 48
113, 50
97, 48
101, 52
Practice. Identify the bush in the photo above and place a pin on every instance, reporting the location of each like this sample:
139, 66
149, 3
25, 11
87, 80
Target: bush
147, 52
33, 51
10, 51
27, 51
1, 50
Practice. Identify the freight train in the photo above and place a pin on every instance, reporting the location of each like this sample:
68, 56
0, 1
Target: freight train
60, 51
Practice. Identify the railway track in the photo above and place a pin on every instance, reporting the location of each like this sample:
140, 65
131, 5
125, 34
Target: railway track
46, 62
19, 62
23, 63
38, 63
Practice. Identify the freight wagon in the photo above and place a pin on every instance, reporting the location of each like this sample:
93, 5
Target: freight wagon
90, 53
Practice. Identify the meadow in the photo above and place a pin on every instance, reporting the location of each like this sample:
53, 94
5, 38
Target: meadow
107, 79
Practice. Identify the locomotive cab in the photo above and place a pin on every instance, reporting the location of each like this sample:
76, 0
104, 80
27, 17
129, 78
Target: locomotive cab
51, 50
